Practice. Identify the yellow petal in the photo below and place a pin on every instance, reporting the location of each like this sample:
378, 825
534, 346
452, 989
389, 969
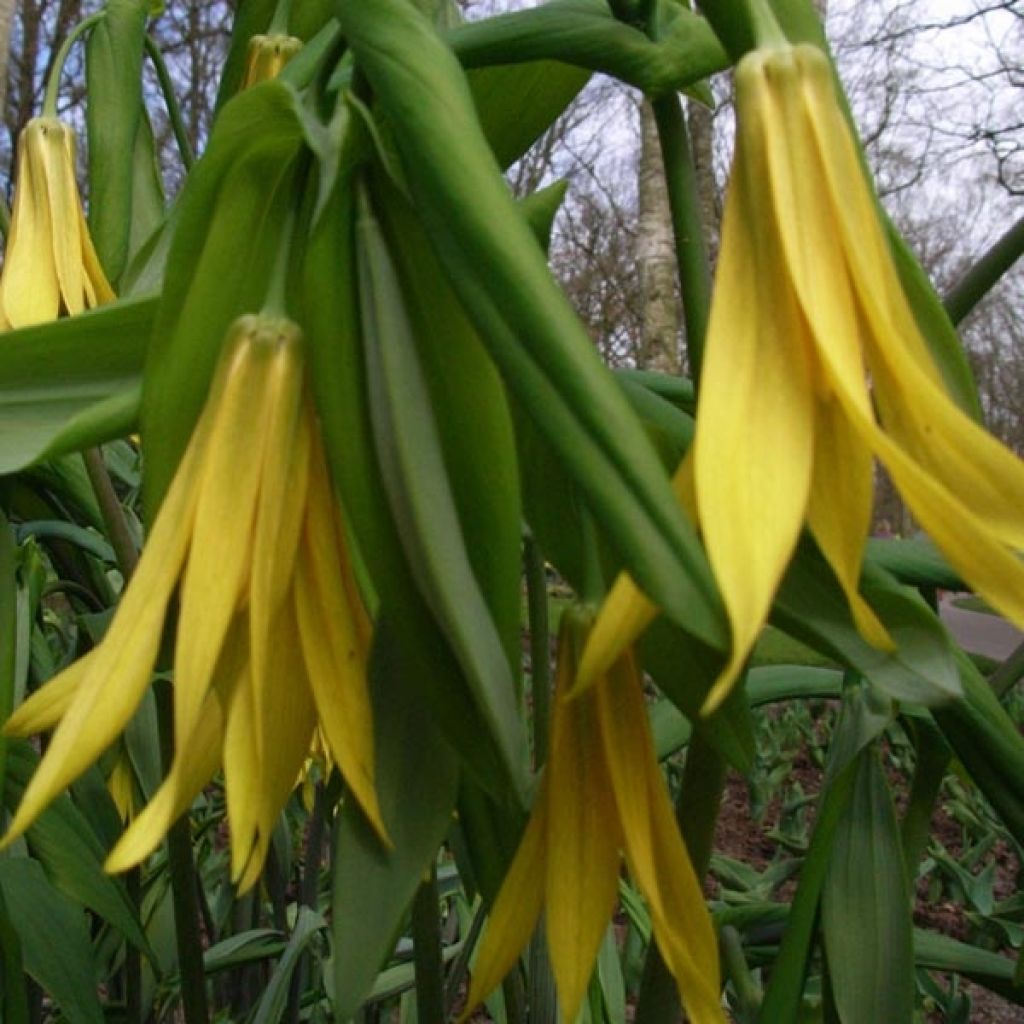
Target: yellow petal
914, 408
242, 772
121, 666
194, 765
515, 912
281, 501
583, 837
29, 291
65, 213
753, 446
285, 720
840, 509
219, 561
654, 847
334, 635
45, 708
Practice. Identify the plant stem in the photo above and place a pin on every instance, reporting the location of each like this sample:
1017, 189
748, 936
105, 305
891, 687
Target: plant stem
977, 282
697, 806
540, 648
127, 555
121, 539
184, 883
163, 77
1009, 672
933, 757
53, 82
426, 950
748, 993
308, 895
684, 204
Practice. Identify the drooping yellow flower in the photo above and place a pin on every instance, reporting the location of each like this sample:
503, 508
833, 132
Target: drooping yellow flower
272, 637
267, 56
602, 792
50, 265
814, 365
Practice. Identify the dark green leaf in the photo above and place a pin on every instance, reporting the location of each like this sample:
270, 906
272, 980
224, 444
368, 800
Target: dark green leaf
71, 383
275, 996
114, 112
54, 937
416, 777
866, 906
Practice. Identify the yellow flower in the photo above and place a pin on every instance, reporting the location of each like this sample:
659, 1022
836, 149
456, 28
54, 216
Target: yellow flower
602, 792
815, 365
50, 266
267, 56
272, 637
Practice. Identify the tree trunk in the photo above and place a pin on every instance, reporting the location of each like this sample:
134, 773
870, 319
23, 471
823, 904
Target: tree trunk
656, 257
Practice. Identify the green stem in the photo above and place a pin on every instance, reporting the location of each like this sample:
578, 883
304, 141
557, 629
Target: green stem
132, 959
53, 82
748, 992
8, 632
743, 25
426, 950
279, 23
697, 807
933, 757
540, 648
684, 203
121, 539
171, 102
977, 282
1009, 672
5, 218
593, 577
184, 882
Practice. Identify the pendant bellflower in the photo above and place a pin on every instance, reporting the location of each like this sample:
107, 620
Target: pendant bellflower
602, 792
50, 267
814, 366
272, 637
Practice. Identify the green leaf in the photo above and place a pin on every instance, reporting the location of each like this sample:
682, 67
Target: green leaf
474, 424
417, 778
8, 632
988, 744
233, 217
586, 33
147, 213
329, 314
113, 116
942, 953
866, 906
538, 343
275, 996
915, 561
409, 451
69, 852
812, 607
71, 383
244, 948
54, 937
13, 994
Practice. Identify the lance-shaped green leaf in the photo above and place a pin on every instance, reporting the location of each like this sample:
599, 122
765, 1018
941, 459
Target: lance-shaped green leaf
233, 220
329, 312
866, 906
474, 424
417, 776
416, 482
8, 632
54, 937
915, 561
988, 744
538, 343
811, 606
71, 383
113, 114
586, 33
14, 997
68, 850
